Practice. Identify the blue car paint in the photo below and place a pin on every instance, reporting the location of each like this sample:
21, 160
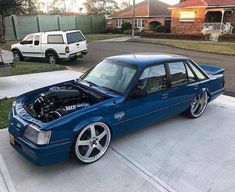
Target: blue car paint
122, 115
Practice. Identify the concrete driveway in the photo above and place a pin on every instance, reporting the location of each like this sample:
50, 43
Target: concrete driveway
179, 154
16, 85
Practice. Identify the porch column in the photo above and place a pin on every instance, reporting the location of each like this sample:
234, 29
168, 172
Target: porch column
222, 20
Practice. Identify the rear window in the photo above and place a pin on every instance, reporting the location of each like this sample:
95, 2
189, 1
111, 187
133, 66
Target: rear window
55, 39
75, 37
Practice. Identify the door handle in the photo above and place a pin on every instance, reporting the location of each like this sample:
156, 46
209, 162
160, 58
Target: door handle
164, 95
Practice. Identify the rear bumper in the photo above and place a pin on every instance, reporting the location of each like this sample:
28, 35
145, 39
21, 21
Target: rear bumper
78, 54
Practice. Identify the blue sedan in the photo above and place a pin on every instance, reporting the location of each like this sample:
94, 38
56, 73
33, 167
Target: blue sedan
118, 95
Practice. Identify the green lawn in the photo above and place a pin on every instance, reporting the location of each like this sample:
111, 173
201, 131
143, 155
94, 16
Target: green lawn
95, 37
206, 46
26, 67
5, 108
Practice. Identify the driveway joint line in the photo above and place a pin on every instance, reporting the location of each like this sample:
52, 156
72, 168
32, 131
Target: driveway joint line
6, 176
149, 176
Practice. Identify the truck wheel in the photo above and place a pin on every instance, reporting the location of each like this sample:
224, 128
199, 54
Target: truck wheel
52, 58
73, 58
17, 56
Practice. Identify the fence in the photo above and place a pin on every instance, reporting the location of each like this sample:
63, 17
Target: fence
16, 27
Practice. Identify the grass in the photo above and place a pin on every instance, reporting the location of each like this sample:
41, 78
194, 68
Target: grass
5, 108
95, 37
26, 67
205, 46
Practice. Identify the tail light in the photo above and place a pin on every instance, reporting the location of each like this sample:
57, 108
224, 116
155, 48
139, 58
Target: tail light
66, 49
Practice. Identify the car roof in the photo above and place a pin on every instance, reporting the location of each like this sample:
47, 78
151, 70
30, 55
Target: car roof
53, 32
145, 59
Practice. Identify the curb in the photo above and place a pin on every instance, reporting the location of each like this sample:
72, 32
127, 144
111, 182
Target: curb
156, 43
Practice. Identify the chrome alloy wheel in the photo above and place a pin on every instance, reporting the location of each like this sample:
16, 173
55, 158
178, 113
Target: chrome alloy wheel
16, 56
199, 104
92, 142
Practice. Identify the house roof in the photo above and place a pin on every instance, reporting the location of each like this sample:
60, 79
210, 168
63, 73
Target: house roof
146, 8
205, 3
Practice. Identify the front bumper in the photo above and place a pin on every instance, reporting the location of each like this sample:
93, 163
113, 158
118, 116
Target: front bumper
38, 155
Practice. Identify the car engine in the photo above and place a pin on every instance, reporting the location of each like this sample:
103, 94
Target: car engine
59, 101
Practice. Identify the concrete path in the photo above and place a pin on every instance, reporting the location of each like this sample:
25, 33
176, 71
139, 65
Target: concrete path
12, 86
178, 155
118, 39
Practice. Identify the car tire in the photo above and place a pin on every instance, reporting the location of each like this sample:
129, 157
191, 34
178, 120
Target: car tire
92, 143
17, 56
73, 59
52, 58
198, 105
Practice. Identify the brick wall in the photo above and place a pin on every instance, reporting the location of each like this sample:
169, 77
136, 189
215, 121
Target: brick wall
187, 27
111, 23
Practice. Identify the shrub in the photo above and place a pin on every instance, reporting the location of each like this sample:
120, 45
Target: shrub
160, 29
126, 26
117, 30
154, 24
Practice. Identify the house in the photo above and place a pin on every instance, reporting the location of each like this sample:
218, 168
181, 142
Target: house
203, 16
148, 14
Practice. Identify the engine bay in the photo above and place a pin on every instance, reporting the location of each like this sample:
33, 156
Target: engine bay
60, 101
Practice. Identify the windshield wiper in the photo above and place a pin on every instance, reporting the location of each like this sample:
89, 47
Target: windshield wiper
111, 90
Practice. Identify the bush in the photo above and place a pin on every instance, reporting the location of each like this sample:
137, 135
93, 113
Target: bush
154, 24
117, 30
160, 29
126, 26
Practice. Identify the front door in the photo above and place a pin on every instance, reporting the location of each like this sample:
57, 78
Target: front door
138, 112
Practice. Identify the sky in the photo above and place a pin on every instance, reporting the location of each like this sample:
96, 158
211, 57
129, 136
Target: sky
77, 4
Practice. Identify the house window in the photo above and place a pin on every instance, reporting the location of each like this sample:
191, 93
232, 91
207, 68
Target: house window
188, 16
119, 23
139, 23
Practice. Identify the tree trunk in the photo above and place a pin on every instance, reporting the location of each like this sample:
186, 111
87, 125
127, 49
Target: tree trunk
2, 39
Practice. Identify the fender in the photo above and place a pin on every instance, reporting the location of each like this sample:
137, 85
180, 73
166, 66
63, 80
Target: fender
51, 50
15, 48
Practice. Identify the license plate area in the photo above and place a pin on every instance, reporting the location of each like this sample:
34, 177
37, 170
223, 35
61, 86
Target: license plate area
12, 139
78, 54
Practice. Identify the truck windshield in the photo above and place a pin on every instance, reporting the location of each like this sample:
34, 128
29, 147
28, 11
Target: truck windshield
111, 76
75, 37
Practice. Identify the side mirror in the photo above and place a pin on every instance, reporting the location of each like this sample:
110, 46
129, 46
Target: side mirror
137, 93
22, 42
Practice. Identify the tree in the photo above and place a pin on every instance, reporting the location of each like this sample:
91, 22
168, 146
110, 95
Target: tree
53, 7
8, 7
106, 7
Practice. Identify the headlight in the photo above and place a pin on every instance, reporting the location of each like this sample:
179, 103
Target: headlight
13, 104
37, 136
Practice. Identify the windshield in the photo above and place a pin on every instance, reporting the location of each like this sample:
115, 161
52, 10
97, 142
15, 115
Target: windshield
111, 75
75, 37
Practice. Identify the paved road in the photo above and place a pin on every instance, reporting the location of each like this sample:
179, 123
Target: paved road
180, 154
100, 50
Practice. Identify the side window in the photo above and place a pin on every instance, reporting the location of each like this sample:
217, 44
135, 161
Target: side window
178, 74
28, 40
197, 71
191, 76
36, 39
153, 79
55, 39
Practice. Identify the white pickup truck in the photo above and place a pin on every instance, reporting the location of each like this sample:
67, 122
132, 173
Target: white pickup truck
53, 46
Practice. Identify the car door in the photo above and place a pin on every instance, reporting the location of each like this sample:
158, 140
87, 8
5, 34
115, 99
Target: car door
138, 112
36, 48
26, 46
183, 87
